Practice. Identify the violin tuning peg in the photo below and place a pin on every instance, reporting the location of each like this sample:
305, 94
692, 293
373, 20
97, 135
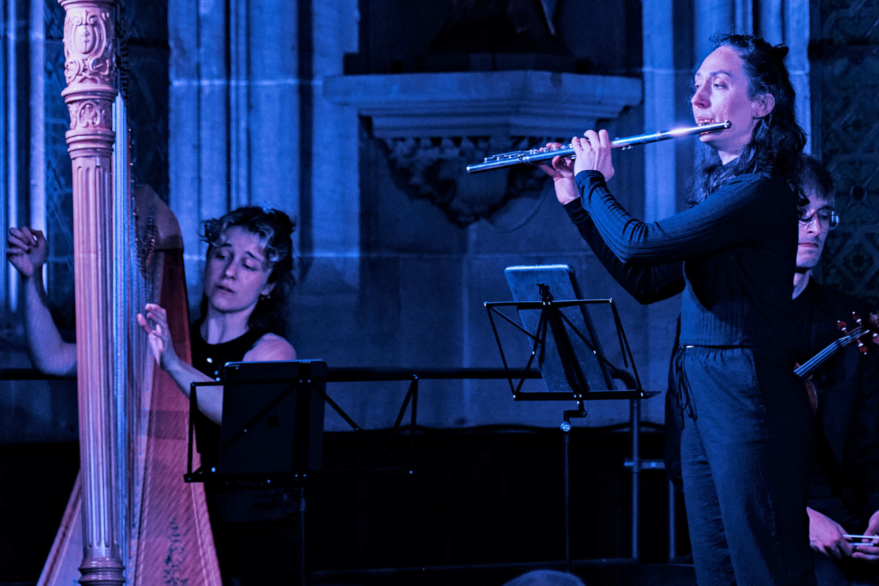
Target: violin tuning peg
862, 348
840, 325
857, 318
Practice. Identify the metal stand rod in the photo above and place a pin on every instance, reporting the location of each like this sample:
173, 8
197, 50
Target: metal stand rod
302, 571
566, 428
672, 534
580, 413
635, 418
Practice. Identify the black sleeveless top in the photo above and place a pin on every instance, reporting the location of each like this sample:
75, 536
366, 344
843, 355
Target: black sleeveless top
209, 360
255, 528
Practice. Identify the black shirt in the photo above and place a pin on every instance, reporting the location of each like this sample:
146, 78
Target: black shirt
844, 487
733, 255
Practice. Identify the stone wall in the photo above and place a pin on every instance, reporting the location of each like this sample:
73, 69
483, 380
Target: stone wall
233, 104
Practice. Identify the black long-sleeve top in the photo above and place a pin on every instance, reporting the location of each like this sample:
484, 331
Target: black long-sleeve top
733, 255
846, 486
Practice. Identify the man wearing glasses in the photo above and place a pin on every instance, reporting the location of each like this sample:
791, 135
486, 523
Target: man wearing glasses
817, 219
844, 493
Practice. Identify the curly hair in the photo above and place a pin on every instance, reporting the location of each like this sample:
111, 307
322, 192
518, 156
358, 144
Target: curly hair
275, 230
778, 139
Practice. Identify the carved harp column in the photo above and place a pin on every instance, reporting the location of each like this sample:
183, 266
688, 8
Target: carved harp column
90, 71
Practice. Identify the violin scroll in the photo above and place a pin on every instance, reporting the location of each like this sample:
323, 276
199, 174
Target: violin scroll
863, 331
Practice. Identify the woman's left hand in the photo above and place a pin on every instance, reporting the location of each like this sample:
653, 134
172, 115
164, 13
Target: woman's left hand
562, 173
593, 153
159, 335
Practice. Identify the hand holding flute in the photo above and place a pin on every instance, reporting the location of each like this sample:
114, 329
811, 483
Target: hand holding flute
537, 155
593, 153
562, 172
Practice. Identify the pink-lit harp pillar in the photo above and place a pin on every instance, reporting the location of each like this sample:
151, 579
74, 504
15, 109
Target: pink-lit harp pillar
90, 71
131, 519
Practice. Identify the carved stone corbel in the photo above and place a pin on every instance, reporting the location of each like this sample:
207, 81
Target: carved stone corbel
431, 169
434, 124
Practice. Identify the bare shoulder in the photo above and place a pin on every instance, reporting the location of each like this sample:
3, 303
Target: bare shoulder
270, 347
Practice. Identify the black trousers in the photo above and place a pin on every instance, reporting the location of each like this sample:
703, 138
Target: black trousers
746, 455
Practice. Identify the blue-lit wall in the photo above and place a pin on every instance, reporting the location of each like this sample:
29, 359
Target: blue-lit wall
231, 106
391, 275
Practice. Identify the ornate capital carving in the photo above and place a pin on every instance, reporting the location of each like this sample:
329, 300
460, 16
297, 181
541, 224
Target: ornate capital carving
432, 169
88, 114
89, 57
91, 125
90, 71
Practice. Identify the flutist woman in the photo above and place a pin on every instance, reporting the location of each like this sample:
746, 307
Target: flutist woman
747, 437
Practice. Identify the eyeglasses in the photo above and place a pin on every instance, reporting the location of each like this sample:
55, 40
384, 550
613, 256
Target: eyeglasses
827, 219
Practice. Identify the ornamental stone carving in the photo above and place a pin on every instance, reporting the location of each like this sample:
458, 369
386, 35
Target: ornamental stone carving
88, 46
431, 169
90, 71
90, 114
434, 124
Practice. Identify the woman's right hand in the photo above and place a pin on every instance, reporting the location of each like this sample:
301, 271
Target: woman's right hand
154, 322
26, 250
562, 173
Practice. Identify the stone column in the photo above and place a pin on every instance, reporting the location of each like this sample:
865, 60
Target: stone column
236, 136
90, 70
660, 99
667, 70
796, 34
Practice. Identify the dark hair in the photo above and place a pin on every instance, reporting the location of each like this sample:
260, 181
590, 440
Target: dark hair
778, 140
812, 174
274, 229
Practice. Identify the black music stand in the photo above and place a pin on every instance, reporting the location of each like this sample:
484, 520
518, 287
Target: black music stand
567, 350
306, 387
272, 432
289, 408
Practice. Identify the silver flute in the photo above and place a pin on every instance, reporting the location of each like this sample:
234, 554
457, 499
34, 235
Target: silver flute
542, 154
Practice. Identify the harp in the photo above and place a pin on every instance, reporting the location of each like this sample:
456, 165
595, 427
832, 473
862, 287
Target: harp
130, 517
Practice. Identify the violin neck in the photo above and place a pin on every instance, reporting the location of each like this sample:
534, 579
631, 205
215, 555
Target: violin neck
813, 363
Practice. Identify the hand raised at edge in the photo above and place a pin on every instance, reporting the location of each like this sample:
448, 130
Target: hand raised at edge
26, 250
